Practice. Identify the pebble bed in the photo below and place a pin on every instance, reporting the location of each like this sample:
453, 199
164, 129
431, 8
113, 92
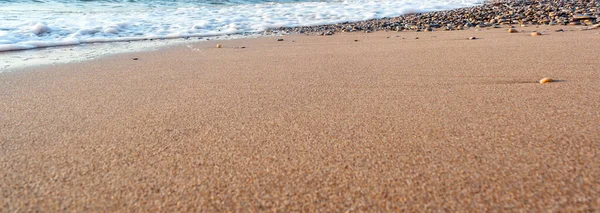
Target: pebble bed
490, 14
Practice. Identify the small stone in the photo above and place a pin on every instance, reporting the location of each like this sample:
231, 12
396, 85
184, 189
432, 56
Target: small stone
472, 38
219, 45
281, 39
355, 40
559, 30
546, 80
416, 37
512, 30
583, 17
536, 34
135, 59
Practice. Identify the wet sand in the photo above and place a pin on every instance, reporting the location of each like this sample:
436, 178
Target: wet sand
385, 123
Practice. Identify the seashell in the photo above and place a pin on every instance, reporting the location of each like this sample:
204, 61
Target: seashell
546, 80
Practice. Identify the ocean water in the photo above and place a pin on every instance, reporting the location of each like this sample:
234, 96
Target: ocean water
33, 24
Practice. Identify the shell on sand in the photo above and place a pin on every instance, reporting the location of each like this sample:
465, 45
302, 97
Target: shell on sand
536, 34
219, 45
512, 30
546, 80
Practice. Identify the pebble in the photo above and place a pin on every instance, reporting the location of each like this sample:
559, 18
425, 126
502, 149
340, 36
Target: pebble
546, 80
135, 59
512, 30
536, 34
281, 39
559, 30
472, 38
580, 17
219, 45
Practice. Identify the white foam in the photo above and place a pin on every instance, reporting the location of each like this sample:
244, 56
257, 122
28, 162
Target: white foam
42, 25
39, 29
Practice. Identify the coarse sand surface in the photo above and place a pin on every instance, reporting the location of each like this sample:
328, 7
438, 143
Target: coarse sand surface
312, 123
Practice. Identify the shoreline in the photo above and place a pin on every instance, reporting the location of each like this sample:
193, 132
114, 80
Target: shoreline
97, 53
499, 14
195, 19
39, 57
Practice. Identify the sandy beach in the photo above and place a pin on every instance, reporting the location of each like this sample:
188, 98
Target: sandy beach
384, 121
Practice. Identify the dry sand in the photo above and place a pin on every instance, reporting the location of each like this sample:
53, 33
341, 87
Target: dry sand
439, 123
